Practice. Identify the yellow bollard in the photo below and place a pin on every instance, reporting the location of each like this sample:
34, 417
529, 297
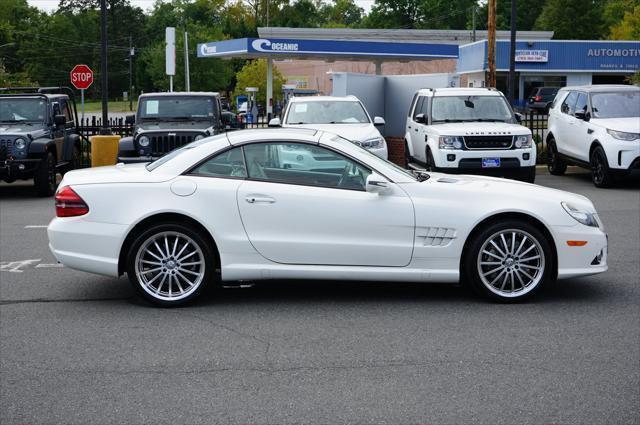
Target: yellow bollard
104, 150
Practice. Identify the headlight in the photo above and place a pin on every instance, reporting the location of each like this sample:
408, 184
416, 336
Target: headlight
143, 141
621, 135
376, 142
450, 142
584, 217
198, 137
20, 144
523, 141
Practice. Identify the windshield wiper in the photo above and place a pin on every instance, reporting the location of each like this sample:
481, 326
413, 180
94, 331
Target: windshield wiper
447, 120
488, 120
13, 120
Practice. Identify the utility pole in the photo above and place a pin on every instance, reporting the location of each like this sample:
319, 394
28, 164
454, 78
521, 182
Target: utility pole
473, 22
131, 53
491, 48
512, 55
187, 81
103, 68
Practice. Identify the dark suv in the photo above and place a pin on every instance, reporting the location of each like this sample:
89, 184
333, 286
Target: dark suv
38, 135
541, 98
166, 121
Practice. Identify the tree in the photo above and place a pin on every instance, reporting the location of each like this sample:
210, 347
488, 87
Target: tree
394, 14
254, 74
341, 13
629, 27
572, 19
527, 12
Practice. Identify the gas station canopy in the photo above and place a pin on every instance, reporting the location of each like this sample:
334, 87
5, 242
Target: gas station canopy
374, 51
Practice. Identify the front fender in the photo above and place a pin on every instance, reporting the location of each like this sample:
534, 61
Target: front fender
126, 144
72, 140
407, 138
40, 146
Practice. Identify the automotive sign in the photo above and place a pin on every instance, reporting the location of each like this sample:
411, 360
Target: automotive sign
532, 55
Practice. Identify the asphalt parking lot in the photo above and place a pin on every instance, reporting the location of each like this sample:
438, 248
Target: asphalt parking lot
79, 348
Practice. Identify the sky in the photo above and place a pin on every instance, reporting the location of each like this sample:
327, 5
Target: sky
49, 5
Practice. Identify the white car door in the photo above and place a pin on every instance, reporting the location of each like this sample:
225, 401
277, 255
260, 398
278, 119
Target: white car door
579, 142
418, 129
322, 217
567, 123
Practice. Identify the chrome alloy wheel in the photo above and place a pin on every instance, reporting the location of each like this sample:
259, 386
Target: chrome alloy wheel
169, 266
511, 263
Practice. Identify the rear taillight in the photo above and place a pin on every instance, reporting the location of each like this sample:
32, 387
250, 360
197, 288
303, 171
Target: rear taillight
538, 98
69, 203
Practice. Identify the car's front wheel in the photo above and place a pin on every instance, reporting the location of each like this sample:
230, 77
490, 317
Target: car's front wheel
45, 177
169, 264
508, 261
600, 173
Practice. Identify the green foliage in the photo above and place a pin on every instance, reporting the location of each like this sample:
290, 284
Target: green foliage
254, 74
573, 19
527, 11
629, 26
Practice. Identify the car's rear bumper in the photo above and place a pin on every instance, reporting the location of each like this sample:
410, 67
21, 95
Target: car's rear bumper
85, 245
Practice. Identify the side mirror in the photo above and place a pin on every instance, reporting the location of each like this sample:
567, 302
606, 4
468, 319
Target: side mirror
378, 121
130, 119
59, 120
275, 122
420, 119
377, 184
582, 115
518, 116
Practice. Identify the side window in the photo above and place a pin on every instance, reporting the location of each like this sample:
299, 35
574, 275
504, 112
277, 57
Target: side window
581, 103
66, 111
568, 106
304, 164
419, 105
227, 164
413, 102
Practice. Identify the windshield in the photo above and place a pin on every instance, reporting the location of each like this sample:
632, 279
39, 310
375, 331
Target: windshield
470, 108
327, 112
178, 107
13, 109
616, 105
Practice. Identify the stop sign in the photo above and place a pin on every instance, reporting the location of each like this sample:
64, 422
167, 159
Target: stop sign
81, 76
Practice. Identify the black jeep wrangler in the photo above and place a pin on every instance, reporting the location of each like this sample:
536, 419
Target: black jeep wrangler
166, 121
38, 135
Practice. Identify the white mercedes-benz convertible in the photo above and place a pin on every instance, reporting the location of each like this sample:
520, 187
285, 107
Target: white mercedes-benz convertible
305, 204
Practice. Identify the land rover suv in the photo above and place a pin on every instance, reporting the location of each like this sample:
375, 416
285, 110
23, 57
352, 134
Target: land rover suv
468, 130
38, 135
166, 121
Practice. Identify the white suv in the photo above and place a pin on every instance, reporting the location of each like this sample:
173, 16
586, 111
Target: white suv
469, 130
597, 127
345, 116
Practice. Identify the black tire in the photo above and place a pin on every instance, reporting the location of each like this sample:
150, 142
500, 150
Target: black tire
75, 162
430, 165
555, 164
45, 178
528, 175
169, 265
407, 155
600, 173
515, 269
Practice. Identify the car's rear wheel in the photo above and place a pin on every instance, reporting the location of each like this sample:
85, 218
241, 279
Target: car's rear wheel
555, 164
169, 264
45, 178
508, 261
600, 173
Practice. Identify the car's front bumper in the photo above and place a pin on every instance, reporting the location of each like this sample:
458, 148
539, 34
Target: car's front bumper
18, 168
471, 160
590, 258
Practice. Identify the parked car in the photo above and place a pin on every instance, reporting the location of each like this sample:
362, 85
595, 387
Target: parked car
345, 116
38, 135
596, 127
541, 98
166, 121
469, 130
230, 120
228, 208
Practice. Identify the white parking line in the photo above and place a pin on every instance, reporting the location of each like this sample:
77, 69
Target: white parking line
36, 226
49, 266
15, 266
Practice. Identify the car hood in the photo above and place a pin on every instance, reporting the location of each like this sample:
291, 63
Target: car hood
35, 130
628, 125
479, 128
489, 195
357, 132
120, 173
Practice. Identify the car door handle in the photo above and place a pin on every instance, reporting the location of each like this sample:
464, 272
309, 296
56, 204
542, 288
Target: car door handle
259, 199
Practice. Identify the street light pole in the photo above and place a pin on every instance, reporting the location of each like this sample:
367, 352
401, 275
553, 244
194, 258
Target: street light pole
103, 68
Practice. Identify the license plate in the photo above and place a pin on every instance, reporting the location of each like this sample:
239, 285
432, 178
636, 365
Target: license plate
490, 162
